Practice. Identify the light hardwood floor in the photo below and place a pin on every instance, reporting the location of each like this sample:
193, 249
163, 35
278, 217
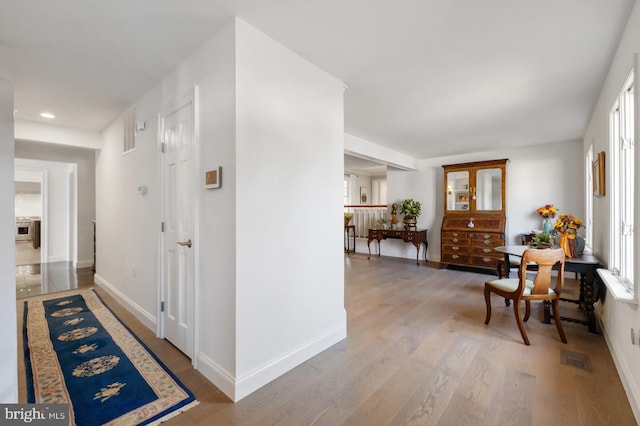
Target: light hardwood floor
418, 352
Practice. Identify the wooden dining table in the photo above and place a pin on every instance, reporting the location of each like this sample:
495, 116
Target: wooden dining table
586, 266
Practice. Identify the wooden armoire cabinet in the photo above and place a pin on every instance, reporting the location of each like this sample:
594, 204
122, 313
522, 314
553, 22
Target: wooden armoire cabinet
474, 213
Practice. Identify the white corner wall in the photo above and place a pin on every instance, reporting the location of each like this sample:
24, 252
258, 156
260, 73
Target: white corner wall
617, 318
128, 224
290, 267
274, 123
8, 352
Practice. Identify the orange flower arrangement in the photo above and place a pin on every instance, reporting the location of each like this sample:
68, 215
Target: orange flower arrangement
567, 224
548, 210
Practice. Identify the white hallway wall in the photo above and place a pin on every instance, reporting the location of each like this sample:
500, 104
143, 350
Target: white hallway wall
617, 318
8, 353
273, 122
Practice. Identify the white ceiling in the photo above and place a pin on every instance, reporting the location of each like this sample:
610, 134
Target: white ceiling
425, 77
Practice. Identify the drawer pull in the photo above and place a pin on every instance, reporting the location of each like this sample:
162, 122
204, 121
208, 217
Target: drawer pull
487, 242
487, 236
486, 259
487, 250
455, 240
455, 256
455, 248
455, 234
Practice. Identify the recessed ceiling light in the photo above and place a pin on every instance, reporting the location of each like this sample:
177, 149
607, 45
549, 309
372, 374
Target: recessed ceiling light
47, 115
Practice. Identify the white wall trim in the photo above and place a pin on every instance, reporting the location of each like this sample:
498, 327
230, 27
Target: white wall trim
630, 387
275, 368
236, 389
217, 375
145, 317
85, 263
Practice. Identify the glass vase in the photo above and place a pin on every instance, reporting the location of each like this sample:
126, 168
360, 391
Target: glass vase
547, 225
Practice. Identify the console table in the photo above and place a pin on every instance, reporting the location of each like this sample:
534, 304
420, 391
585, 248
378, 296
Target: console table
586, 266
413, 236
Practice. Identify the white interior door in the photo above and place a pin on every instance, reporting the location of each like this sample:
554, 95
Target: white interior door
178, 256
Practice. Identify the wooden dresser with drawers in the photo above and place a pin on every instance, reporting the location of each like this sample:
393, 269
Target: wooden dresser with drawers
461, 245
474, 214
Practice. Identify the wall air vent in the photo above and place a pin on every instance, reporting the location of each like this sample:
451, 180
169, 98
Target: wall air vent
129, 139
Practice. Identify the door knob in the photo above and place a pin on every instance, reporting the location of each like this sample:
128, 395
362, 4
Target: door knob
185, 243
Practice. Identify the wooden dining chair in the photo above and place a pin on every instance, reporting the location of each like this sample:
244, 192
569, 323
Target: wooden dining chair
524, 289
504, 270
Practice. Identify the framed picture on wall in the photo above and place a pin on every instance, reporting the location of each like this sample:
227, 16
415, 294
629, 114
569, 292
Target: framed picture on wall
462, 197
364, 195
598, 173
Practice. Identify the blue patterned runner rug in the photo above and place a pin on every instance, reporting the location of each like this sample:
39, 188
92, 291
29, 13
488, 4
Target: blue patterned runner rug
77, 352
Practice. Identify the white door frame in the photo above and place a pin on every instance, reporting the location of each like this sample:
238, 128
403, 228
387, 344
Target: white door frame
190, 96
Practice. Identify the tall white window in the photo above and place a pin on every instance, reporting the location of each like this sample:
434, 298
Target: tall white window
622, 175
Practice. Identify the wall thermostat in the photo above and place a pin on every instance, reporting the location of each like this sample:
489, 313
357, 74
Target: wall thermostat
212, 178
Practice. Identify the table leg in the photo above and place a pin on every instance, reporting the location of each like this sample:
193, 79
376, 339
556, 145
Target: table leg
507, 266
588, 301
346, 240
354, 240
546, 312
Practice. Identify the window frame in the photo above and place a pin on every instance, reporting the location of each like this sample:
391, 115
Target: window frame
621, 275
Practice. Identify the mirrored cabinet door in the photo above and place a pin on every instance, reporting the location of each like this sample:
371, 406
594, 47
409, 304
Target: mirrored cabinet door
475, 187
488, 190
458, 190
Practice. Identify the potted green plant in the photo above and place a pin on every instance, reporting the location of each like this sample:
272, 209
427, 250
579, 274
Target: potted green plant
411, 209
347, 218
542, 240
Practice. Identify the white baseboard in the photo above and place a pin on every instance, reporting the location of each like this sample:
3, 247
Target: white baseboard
57, 259
630, 387
217, 375
84, 263
145, 317
236, 389
254, 380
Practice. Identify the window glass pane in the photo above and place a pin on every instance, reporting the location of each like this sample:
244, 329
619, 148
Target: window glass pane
622, 175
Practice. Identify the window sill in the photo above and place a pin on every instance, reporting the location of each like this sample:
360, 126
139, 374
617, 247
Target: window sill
618, 291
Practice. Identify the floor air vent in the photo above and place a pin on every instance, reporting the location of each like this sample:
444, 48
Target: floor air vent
574, 359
